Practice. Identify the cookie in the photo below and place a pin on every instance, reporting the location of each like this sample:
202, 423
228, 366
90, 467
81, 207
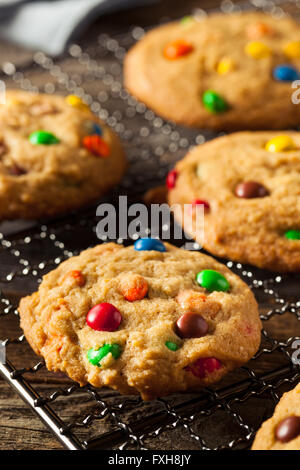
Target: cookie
282, 431
55, 155
248, 184
149, 319
226, 72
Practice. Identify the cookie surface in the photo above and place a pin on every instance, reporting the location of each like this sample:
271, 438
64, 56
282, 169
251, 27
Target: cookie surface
225, 72
249, 183
282, 431
55, 155
139, 322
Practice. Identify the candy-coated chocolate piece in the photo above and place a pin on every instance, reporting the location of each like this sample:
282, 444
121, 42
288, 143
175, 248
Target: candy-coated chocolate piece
204, 366
257, 50
96, 145
292, 49
77, 102
92, 127
292, 234
149, 244
288, 429
201, 202
212, 280
96, 356
190, 299
172, 346
171, 179
104, 317
75, 276
213, 102
133, 287
258, 30
250, 190
43, 138
225, 66
281, 143
286, 73
178, 48
191, 325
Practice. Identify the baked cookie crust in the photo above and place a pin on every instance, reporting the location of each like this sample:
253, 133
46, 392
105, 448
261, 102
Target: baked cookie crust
241, 57
289, 406
262, 230
152, 353
45, 168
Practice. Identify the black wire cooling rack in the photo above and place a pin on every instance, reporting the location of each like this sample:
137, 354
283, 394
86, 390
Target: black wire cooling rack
221, 417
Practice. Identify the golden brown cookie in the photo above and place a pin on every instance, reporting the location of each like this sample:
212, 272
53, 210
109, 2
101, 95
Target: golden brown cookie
221, 72
149, 319
249, 184
282, 431
55, 155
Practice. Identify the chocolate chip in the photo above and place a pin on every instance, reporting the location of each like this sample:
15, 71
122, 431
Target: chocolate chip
288, 429
191, 325
251, 189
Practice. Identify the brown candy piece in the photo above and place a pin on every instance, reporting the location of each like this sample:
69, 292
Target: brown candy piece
191, 325
288, 429
251, 189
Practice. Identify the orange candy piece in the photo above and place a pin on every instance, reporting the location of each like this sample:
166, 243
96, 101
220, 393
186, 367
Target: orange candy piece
258, 30
133, 287
96, 145
190, 299
75, 275
177, 48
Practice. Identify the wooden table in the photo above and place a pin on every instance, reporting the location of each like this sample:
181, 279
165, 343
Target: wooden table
19, 428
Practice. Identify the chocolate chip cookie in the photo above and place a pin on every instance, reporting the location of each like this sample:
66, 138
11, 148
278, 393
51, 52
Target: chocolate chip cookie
248, 184
149, 319
282, 431
225, 72
55, 155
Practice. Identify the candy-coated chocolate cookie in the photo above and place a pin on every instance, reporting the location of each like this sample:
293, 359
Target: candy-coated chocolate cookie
55, 155
224, 71
282, 431
249, 185
142, 321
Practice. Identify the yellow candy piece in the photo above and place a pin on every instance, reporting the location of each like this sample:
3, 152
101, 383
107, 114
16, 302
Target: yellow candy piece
257, 50
282, 143
292, 50
77, 102
225, 65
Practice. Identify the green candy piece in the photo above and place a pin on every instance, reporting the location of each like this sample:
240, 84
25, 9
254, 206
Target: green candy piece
292, 234
187, 20
212, 280
95, 356
214, 102
43, 138
172, 346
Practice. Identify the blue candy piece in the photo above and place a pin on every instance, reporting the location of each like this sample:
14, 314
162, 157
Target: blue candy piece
149, 244
286, 73
97, 129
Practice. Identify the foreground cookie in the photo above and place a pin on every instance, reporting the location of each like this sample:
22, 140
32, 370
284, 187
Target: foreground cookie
150, 319
55, 155
221, 72
282, 431
249, 185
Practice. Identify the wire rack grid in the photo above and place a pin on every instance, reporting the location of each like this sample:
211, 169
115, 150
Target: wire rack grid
87, 418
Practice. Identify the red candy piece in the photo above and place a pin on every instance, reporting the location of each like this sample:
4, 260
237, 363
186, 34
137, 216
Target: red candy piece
104, 317
199, 202
204, 366
171, 179
96, 145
